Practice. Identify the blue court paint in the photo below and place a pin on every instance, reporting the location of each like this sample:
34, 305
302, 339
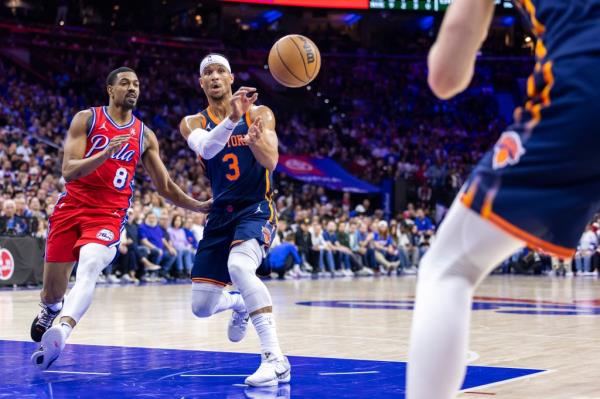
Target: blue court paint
524, 308
159, 373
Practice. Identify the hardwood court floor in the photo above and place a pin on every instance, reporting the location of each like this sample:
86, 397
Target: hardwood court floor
543, 323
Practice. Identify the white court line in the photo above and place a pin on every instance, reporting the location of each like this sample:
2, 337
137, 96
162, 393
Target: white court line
214, 375
493, 384
472, 356
74, 372
351, 372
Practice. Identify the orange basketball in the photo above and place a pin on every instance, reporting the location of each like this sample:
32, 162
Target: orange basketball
294, 61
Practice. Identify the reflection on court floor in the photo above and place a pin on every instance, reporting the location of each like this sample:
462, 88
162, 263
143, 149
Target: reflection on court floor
85, 371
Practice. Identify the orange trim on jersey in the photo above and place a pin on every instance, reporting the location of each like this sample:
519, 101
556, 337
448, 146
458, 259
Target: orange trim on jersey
549, 80
486, 209
468, 197
530, 86
538, 27
235, 242
248, 119
209, 281
203, 121
530, 239
268, 197
540, 49
212, 116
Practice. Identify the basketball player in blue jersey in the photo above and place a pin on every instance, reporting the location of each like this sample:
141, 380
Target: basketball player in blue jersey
237, 145
538, 186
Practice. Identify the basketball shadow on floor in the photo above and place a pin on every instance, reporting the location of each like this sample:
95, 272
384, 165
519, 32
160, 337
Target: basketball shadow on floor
103, 372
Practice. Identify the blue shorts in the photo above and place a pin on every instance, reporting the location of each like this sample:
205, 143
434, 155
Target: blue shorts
541, 181
226, 228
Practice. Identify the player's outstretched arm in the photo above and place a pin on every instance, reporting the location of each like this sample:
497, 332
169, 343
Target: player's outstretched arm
452, 57
74, 165
161, 179
262, 137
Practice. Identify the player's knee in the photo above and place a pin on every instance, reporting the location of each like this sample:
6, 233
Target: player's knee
205, 298
243, 261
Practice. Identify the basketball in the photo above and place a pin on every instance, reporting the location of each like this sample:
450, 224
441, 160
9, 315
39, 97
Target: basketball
294, 61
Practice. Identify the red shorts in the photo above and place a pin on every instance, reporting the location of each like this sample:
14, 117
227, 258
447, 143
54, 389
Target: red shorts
72, 225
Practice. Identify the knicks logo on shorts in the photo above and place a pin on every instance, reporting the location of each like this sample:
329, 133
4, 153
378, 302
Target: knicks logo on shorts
105, 235
508, 150
266, 235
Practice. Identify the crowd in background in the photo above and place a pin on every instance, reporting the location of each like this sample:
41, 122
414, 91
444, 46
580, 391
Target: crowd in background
377, 119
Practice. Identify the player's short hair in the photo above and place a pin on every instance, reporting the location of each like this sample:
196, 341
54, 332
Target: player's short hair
112, 76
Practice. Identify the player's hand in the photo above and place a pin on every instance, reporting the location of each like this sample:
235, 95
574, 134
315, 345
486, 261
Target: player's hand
115, 145
254, 133
241, 103
204, 207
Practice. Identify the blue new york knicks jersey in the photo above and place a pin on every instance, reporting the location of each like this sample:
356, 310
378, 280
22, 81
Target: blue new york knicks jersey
235, 176
564, 27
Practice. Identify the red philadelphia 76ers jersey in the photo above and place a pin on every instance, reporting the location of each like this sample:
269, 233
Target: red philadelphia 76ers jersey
111, 184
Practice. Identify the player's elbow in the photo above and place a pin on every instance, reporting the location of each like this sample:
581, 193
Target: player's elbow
442, 85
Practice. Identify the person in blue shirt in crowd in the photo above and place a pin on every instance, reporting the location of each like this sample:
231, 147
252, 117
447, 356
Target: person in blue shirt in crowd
152, 236
284, 259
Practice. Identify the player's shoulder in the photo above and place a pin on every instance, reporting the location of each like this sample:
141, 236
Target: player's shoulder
260, 110
191, 122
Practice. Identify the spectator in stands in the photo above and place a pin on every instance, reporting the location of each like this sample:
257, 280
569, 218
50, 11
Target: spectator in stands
10, 223
184, 250
189, 235
423, 222
333, 247
163, 221
386, 252
138, 252
325, 253
285, 260
308, 251
152, 237
586, 248
198, 222
365, 247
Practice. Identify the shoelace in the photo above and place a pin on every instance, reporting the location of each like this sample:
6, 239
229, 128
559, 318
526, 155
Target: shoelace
46, 317
239, 319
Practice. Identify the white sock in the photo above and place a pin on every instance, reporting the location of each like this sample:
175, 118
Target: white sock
264, 324
466, 249
66, 329
55, 307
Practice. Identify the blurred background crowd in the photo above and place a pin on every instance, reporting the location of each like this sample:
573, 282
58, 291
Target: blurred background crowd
370, 110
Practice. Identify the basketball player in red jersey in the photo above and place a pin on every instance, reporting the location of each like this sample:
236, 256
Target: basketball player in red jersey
102, 148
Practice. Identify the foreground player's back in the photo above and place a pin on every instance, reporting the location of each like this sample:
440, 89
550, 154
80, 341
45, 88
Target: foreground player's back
111, 184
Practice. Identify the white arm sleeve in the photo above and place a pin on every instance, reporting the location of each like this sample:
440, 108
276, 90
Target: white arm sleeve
207, 144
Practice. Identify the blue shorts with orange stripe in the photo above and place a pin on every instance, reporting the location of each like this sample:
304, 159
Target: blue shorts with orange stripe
541, 181
226, 228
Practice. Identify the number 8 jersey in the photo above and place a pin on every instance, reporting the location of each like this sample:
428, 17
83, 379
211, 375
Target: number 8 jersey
236, 177
111, 184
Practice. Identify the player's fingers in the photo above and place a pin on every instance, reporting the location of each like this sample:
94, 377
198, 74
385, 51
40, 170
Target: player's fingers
247, 89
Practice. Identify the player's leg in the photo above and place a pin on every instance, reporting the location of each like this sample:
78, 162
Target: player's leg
58, 265
244, 259
209, 299
209, 277
467, 248
93, 258
55, 282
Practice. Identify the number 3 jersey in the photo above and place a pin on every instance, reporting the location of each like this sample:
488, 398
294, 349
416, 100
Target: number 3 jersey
111, 184
236, 177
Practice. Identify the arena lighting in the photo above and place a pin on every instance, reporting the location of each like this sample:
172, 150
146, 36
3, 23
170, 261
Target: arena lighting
355, 4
